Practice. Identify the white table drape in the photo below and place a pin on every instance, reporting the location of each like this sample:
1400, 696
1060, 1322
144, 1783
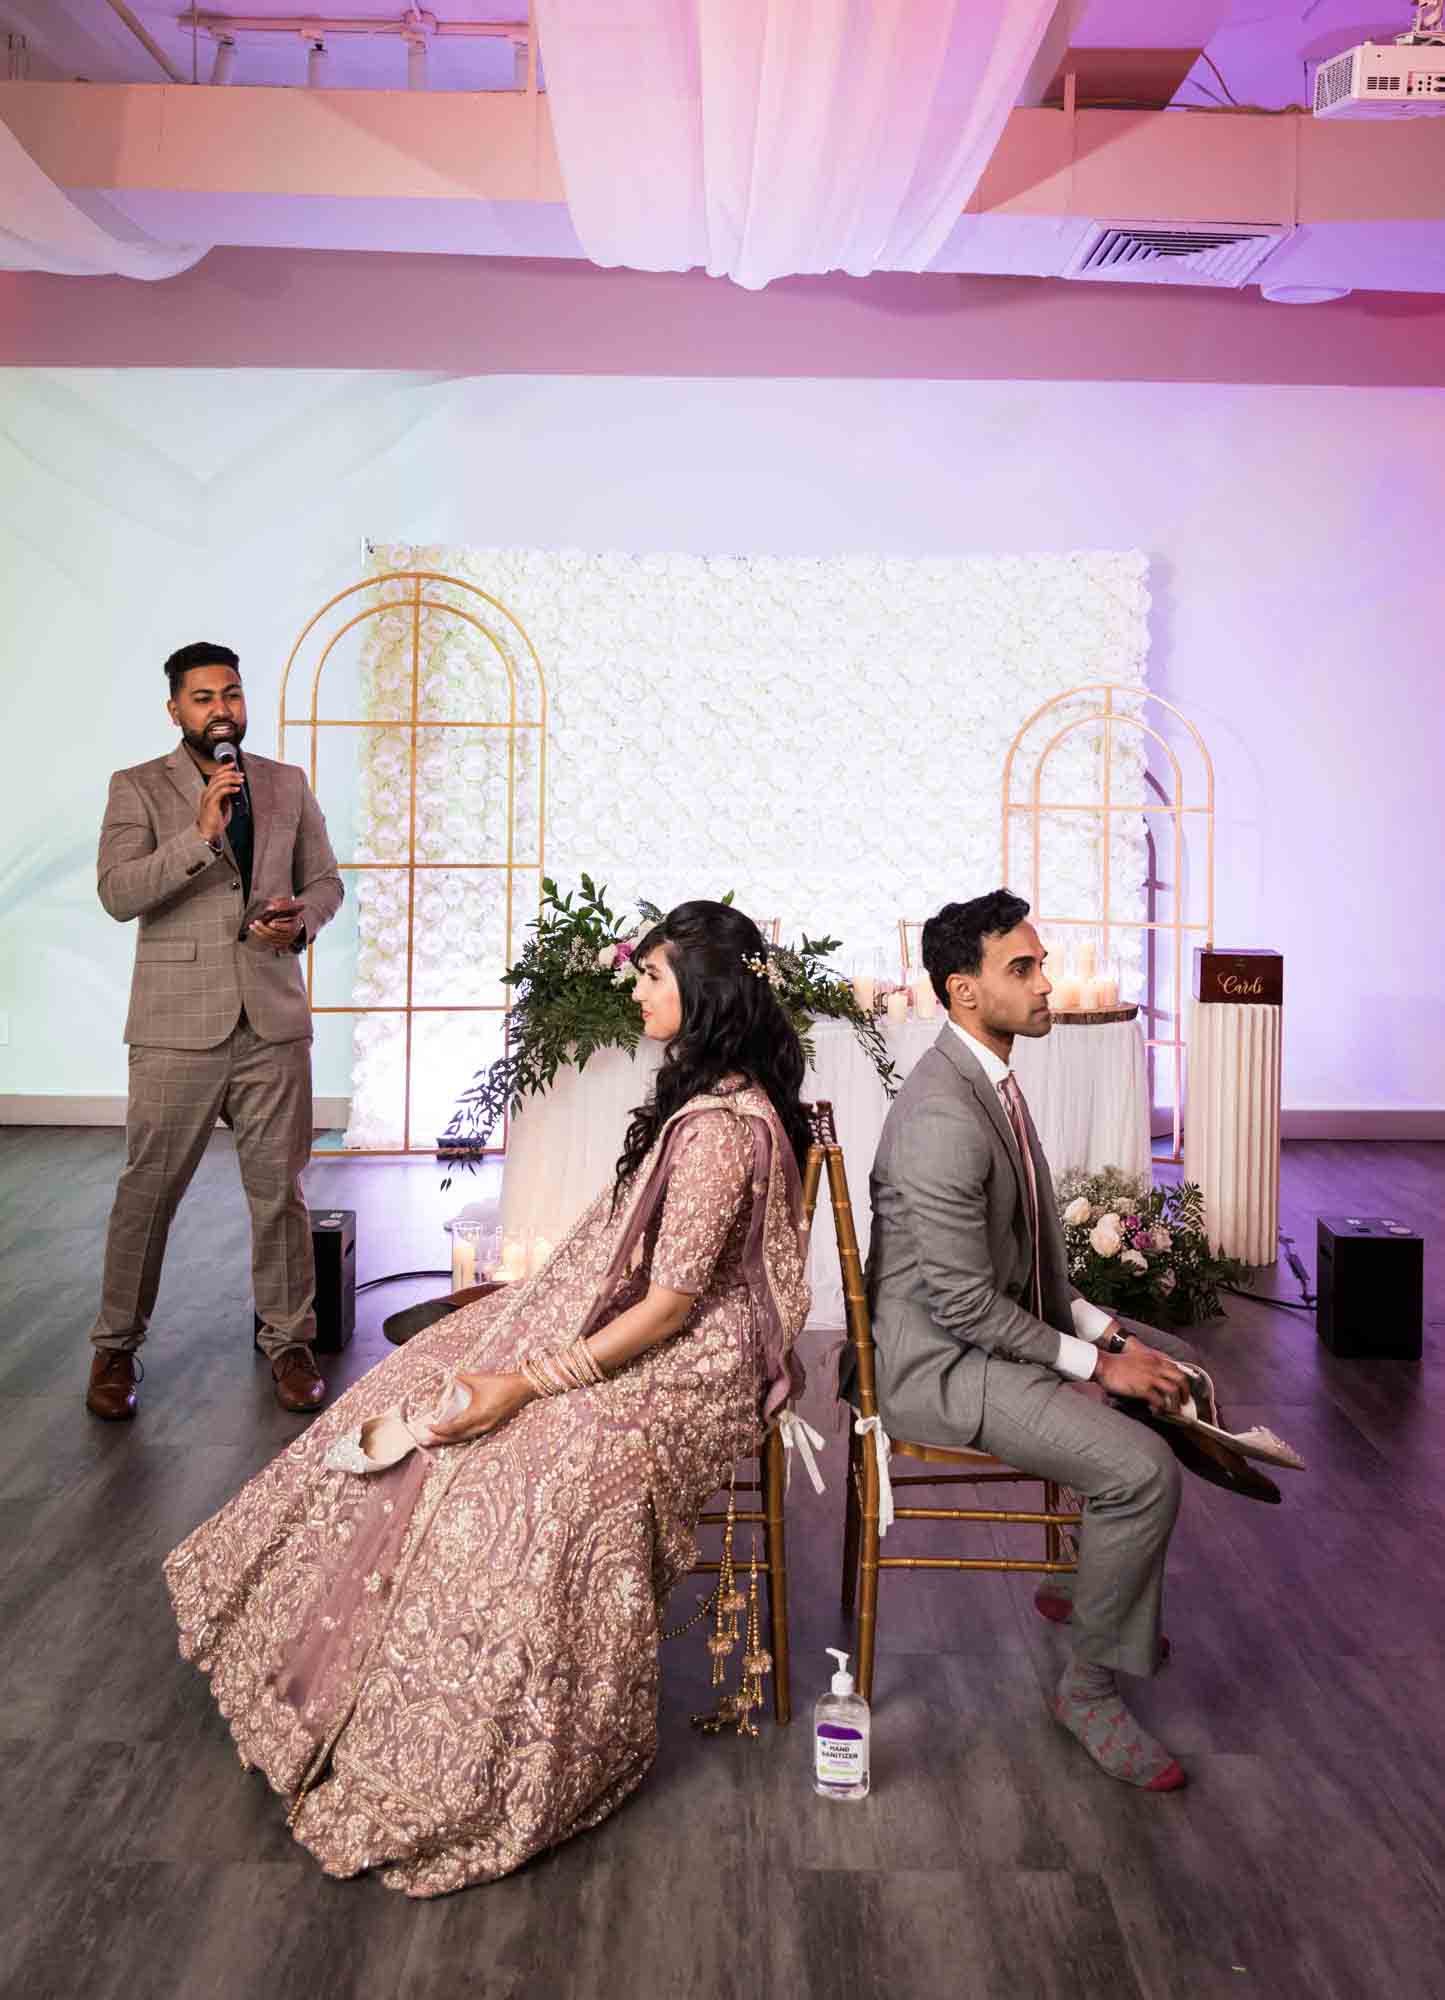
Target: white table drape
1086, 1087
763, 137
1231, 1124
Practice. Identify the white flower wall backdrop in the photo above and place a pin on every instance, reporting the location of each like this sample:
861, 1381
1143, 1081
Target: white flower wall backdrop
824, 737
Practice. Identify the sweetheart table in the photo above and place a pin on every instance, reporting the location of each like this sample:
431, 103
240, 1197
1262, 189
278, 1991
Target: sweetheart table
1086, 1085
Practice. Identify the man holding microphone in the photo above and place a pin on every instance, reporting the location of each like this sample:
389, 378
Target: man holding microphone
227, 866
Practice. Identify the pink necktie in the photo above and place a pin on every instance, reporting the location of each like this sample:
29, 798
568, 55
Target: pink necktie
1013, 1099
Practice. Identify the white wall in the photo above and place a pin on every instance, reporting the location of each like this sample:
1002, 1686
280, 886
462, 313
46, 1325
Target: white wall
1294, 535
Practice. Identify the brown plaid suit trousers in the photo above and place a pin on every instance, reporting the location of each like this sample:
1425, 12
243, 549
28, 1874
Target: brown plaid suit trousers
219, 1027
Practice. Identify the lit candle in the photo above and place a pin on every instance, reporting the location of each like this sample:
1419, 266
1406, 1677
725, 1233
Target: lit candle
864, 992
1087, 959
1107, 986
541, 1251
514, 1261
925, 1000
896, 1005
1065, 997
464, 1264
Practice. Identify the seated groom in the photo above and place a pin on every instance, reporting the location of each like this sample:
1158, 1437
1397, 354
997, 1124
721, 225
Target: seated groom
980, 1336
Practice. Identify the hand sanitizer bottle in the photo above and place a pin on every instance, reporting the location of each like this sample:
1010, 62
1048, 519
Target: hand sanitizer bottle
840, 1738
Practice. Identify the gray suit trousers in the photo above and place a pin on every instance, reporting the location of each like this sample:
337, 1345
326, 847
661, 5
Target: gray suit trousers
1130, 1481
262, 1090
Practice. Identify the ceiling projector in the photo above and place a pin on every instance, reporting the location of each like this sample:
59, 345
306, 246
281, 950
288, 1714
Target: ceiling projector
1382, 80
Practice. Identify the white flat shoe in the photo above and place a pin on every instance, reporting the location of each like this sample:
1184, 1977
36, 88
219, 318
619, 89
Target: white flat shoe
386, 1440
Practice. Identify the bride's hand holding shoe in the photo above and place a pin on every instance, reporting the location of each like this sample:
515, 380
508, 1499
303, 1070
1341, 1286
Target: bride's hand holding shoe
480, 1403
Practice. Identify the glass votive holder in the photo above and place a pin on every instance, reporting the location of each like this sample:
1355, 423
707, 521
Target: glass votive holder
513, 1265
466, 1253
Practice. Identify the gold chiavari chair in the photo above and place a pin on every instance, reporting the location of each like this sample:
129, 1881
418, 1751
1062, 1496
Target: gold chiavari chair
862, 1561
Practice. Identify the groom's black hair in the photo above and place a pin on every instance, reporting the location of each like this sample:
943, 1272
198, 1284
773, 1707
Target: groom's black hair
953, 940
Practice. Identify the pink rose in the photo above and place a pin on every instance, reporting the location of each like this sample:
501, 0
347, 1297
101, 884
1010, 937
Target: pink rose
625, 949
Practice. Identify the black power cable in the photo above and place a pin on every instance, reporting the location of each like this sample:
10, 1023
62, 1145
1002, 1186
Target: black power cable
394, 1277
1307, 1300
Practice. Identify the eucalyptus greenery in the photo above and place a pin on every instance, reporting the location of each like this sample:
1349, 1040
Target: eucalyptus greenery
572, 995
1142, 1250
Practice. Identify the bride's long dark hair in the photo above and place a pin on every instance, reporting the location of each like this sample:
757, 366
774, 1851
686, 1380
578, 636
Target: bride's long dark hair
732, 1024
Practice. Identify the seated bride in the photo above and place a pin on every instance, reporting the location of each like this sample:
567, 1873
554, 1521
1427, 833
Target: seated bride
433, 1621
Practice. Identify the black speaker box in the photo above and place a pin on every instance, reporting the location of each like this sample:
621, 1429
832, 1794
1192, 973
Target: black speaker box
333, 1243
333, 1238
1371, 1287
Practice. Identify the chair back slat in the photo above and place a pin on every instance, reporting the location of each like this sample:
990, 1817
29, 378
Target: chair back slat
855, 1293
829, 1154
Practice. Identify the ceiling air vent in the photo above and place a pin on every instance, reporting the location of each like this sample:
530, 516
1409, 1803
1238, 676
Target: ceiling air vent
1173, 253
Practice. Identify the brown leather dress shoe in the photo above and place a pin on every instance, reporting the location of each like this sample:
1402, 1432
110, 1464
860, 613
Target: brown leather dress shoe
299, 1384
114, 1373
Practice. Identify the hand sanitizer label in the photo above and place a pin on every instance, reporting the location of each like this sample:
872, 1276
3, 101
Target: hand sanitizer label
838, 1753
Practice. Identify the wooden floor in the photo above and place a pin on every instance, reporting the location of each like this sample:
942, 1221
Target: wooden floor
1306, 1694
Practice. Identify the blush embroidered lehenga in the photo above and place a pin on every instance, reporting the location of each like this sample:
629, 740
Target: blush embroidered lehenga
452, 1664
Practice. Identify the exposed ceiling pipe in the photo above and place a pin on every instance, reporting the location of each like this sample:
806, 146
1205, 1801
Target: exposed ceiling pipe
212, 22
316, 65
147, 41
225, 61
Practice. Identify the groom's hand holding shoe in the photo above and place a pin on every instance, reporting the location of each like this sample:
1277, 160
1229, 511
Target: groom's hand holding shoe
1144, 1375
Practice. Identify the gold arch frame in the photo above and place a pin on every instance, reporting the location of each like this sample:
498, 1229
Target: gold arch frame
1175, 806
416, 601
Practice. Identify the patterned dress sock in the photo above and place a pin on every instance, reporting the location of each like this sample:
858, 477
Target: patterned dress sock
1054, 1599
1089, 1706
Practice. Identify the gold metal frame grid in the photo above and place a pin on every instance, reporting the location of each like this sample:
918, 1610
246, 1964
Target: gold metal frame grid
905, 947
414, 723
1175, 806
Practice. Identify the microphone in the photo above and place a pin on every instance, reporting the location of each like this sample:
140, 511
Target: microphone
228, 757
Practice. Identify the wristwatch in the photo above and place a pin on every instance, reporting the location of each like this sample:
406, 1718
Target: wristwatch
1115, 1342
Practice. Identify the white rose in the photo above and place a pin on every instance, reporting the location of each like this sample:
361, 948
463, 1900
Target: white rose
1106, 1236
1161, 1239
607, 957
1077, 1211
1135, 1259
1125, 1207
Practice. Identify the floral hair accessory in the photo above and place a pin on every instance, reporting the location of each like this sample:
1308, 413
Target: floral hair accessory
757, 966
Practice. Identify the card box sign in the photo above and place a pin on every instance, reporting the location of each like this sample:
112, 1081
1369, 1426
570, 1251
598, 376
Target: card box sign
1254, 978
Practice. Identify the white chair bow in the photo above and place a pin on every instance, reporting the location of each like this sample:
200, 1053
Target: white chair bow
873, 1426
798, 1434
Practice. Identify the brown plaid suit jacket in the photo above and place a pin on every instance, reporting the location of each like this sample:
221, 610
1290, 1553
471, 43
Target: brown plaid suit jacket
193, 969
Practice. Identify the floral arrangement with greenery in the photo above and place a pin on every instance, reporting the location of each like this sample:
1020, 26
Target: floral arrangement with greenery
573, 996
1142, 1250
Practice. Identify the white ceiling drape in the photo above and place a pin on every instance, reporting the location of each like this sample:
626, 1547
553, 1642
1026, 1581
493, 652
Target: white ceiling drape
42, 229
764, 137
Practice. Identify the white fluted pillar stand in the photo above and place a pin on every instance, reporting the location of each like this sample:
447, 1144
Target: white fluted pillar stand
1231, 1124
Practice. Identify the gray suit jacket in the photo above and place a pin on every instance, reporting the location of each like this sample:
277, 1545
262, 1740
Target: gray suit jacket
951, 1257
193, 968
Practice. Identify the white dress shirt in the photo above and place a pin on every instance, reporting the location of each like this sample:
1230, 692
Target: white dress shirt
1078, 1356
